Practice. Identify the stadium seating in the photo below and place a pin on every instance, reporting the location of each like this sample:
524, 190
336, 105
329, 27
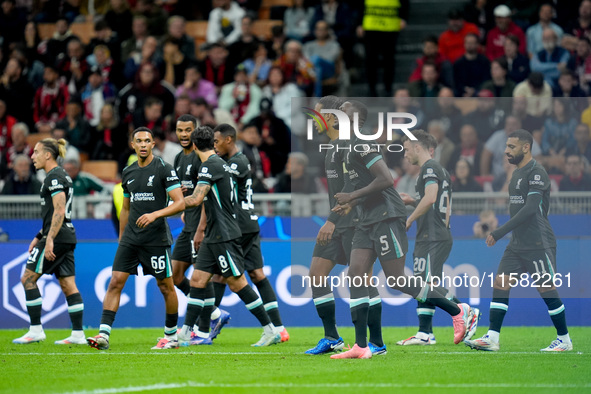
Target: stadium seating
103, 169
83, 30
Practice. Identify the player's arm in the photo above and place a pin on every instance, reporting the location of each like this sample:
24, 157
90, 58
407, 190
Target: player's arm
178, 205
532, 203
198, 195
382, 180
425, 203
59, 212
200, 233
408, 200
124, 215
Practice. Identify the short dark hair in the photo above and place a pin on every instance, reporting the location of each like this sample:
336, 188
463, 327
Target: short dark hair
202, 137
523, 136
152, 101
536, 79
331, 102
159, 133
472, 35
423, 138
141, 129
502, 62
226, 130
568, 72
188, 118
432, 39
101, 24
513, 38
455, 14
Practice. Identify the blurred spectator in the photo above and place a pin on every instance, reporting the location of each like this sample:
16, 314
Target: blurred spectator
104, 36
472, 69
517, 63
297, 20
501, 181
73, 66
12, 23
31, 42
431, 54
407, 182
195, 86
567, 87
157, 17
216, 68
109, 137
19, 135
147, 84
381, 24
480, 13
535, 42
278, 40
448, 114
6, 124
95, 95
177, 33
133, 44
340, 19
200, 109
22, 180
582, 146
551, 60
76, 127
224, 24
150, 115
182, 106
57, 44
488, 223
325, 54
280, 94
110, 71
428, 86
91, 9
451, 41
493, 154
72, 153
469, 149
574, 179
274, 135
83, 182
464, 178
445, 148
487, 117
50, 101
120, 19
296, 67
241, 98
32, 70
581, 27
258, 65
500, 85
175, 63
243, 47
581, 63
148, 54
529, 122
16, 92
250, 140
167, 150
403, 102
537, 92
295, 179
495, 39
558, 135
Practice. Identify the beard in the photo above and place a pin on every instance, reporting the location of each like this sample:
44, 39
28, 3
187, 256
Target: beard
515, 159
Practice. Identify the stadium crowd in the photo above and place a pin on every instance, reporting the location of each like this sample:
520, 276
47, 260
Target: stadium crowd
500, 66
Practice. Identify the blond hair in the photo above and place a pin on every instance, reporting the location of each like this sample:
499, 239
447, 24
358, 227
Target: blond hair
57, 148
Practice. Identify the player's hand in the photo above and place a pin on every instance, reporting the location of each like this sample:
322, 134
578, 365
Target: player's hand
490, 240
183, 217
198, 239
49, 255
343, 198
325, 233
32, 244
184, 189
408, 224
145, 219
407, 199
343, 209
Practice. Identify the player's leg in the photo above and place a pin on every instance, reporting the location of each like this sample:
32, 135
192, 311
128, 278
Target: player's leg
361, 262
374, 321
219, 317
75, 310
178, 275
219, 288
258, 278
182, 256
201, 330
543, 267
33, 302
170, 340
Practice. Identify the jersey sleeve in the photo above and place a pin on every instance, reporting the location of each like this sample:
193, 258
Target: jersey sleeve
209, 173
369, 157
538, 181
124, 178
429, 175
170, 179
56, 184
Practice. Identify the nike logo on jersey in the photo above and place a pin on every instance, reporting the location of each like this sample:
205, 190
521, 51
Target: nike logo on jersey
158, 272
225, 270
130, 181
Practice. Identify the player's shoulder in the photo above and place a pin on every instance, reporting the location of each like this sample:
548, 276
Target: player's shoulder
239, 162
431, 169
538, 176
130, 168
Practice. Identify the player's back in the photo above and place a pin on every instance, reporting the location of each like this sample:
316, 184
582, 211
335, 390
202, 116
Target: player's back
434, 224
536, 232
241, 172
187, 169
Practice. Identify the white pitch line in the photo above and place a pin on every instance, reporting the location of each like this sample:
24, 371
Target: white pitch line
139, 354
168, 386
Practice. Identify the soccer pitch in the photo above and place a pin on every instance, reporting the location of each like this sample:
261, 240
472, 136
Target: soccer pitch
232, 365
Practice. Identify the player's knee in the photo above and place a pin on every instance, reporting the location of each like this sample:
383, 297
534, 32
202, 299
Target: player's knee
68, 285
256, 275
166, 288
116, 284
502, 282
29, 280
237, 283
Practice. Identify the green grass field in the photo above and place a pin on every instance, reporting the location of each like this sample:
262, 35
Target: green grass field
232, 365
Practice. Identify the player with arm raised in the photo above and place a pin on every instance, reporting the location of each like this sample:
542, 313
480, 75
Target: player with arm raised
52, 249
145, 237
381, 232
433, 241
532, 248
220, 251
